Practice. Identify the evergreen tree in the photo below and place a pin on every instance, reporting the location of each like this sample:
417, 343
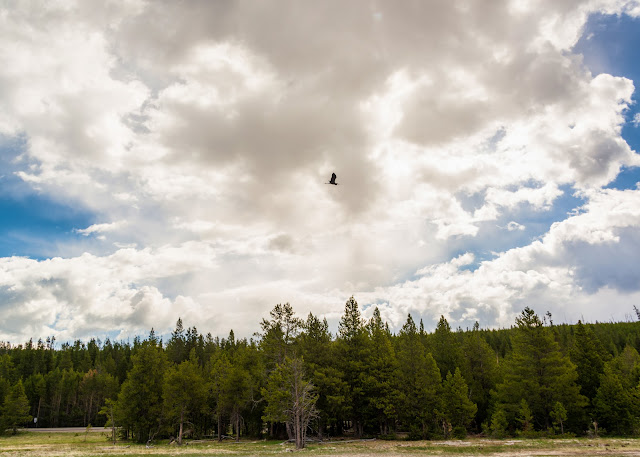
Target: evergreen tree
71, 410
93, 389
446, 348
290, 398
589, 356
457, 410
381, 374
319, 354
7, 376
524, 417
109, 410
184, 393
353, 350
239, 389
538, 372
4, 390
54, 390
140, 401
7, 369
499, 423
481, 371
236, 380
616, 408
35, 387
177, 344
627, 366
221, 389
617, 402
419, 381
278, 334
15, 410
559, 416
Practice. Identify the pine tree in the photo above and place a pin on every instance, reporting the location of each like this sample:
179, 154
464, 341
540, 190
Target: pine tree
93, 389
35, 387
7, 369
559, 416
380, 382
177, 344
140, 401
15, 410
238, 388
5, 386
615, 406
353, 350
184, 393
109, 410
617, 402
278, 334
537, 371
481, 371
589, 357
524, 417
457, 410
236, 379
290, 398
446, 348
627, 366
419, 381
319, 354
221, 389
499, 423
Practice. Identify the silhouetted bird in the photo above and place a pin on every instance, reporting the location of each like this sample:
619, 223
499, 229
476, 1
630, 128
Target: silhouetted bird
333, 179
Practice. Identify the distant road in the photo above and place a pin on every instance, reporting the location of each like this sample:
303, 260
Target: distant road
66, 430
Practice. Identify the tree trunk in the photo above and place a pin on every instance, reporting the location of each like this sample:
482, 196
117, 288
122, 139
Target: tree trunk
237, 427
358, 429
298, 431
180, 431
219, 427
38, 413
89, 410
113, 426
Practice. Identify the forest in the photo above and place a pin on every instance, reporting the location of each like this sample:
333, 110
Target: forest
295, 380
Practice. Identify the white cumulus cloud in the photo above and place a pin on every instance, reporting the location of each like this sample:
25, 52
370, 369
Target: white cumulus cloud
212, 128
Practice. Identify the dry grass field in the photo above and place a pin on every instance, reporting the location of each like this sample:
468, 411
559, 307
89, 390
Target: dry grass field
28, 444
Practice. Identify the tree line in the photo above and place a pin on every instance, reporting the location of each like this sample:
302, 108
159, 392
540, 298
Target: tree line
295, 378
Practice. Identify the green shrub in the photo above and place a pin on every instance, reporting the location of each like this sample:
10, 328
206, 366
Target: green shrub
459, 432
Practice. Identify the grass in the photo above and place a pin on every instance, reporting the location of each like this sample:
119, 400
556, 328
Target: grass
29, 444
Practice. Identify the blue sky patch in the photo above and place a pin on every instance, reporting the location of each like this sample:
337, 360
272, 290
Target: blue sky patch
610, 45
31, 223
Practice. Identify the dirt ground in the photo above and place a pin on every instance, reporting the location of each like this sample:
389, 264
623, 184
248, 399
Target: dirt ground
95, 444
488, 447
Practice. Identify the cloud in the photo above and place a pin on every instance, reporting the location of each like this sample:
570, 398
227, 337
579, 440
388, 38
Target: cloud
101, 228
212, 129
87, 295
579, 261
513, 225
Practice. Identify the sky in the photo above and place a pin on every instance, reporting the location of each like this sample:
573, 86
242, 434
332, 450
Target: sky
163, 159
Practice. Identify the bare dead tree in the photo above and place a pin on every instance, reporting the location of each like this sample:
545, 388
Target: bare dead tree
291, 399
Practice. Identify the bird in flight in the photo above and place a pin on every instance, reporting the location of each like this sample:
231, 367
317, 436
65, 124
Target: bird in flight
333, 179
